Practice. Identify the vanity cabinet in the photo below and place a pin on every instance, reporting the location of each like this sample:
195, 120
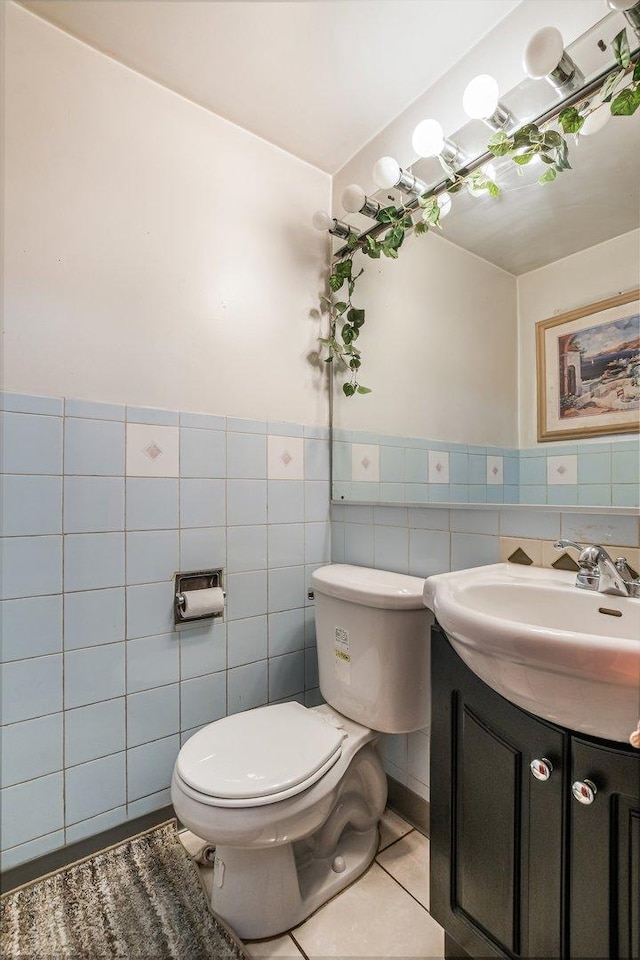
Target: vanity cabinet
519, 867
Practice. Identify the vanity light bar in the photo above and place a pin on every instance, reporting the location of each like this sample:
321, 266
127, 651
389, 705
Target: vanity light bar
583, 93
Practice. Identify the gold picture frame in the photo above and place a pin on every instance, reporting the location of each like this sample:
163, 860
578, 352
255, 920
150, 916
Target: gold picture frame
602, 339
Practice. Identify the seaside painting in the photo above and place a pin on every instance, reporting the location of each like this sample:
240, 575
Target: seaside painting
589, 370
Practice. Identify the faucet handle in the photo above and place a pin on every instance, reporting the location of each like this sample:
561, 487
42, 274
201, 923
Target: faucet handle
563, 544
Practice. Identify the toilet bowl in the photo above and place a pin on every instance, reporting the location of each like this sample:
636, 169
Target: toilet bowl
291, 796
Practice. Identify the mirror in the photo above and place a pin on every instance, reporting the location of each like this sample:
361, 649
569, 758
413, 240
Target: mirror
449, 347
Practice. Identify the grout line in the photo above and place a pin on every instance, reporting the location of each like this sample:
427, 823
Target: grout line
402, 887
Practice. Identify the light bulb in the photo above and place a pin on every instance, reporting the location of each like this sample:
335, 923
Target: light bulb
353, 198
444, 202
543, 53
596, 121
386, 173
621, 5
321, 220
480, 98
428, 138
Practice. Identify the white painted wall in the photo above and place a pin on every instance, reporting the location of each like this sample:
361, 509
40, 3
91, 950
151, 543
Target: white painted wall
439, 347
154, 253
595, 274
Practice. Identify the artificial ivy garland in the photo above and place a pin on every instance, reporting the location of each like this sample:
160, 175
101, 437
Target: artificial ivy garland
530, 141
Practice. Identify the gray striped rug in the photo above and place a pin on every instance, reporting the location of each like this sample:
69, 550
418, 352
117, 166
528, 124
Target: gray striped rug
140, 900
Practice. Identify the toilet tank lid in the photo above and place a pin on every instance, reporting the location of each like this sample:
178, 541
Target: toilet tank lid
371, 588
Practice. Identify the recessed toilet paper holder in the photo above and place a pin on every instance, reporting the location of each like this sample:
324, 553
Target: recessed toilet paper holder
195, 580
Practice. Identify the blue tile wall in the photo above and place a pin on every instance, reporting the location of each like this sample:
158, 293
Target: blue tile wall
99, 688
607, 474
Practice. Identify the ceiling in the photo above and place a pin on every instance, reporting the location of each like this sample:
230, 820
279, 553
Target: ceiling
318, 78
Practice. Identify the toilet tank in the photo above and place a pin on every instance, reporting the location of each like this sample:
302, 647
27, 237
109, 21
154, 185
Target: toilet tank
373, 634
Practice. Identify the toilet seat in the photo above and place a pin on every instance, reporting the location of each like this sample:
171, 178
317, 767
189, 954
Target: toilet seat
260, 756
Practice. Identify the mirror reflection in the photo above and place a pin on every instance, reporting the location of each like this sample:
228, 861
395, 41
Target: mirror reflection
449, 348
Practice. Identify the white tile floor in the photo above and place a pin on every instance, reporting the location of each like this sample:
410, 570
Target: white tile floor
383, 914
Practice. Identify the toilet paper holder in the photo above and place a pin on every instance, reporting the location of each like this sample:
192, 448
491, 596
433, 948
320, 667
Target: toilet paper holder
195, 580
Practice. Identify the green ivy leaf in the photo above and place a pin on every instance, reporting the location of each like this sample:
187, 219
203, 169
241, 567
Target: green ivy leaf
610, 84
499, 144
348, 389
570, 120
636, 71
626, 103
493, 188
562, 157
372, 248
356, 317
335, 282
420, 228
522, 159
352, 241
548, 175
390, 252
621, 49
431, 211
526, 136
551, 138
343, 269
364, 389
340, 307
388, 214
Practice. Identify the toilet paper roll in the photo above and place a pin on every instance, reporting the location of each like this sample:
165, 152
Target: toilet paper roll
202, 603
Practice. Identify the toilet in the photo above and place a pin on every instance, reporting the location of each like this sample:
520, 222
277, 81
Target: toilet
291, 796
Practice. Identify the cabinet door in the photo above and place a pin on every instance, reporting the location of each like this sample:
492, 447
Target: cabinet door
496, 831
604, 894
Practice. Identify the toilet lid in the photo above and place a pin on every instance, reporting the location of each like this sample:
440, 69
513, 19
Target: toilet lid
260, 753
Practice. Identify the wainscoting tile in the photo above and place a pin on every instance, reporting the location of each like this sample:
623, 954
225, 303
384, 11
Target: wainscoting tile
94, 448
30, 505
30, 444
92, 617
152, 450
31, 627
94, 731
247, 687
30, 810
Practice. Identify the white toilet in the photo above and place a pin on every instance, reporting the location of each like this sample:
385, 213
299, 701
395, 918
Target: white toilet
291, 796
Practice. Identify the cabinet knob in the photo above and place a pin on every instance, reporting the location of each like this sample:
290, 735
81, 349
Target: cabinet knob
541, 769
584, 791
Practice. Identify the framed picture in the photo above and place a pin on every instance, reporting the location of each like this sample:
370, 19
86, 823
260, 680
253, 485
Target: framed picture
588, 365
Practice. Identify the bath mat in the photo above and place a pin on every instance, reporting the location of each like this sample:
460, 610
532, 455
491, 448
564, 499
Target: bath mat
140, 900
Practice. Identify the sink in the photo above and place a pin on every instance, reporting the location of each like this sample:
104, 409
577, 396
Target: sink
568, 655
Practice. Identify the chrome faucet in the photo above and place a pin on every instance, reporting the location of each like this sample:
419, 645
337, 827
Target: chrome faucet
598, 571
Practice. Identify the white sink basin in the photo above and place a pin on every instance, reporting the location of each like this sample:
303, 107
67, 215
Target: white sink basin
567, 655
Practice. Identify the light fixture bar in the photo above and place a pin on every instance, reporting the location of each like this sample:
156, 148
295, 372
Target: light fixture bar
501, 119
577, 96
343, 230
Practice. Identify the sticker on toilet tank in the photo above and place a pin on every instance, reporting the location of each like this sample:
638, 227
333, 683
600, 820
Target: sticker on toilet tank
342, 651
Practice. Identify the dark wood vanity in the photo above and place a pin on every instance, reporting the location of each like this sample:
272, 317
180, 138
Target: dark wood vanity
519, 866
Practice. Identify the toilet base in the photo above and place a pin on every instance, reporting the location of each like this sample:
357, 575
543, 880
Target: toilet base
264, 893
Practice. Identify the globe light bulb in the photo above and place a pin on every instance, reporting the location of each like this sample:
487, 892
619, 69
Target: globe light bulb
621, 5
444, 202
353, 198
386, 173
480, 98
543, 53
321, 220
596, 121
428, 138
